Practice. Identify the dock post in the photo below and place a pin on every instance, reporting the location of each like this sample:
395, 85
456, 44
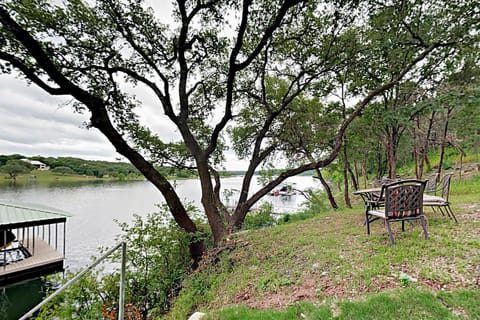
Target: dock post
121, 298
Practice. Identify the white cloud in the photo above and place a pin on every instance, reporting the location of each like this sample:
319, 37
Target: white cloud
35, 123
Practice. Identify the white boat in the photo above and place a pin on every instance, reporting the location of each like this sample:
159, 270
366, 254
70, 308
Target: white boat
285, 190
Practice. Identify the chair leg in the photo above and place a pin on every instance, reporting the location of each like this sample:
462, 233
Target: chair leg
367, 222
403, 225
439, 209
424, 227
390, 234
450, 213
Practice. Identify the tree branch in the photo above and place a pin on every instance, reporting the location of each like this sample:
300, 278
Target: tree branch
31, 75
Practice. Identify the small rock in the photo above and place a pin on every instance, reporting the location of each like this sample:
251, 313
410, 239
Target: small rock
197, 316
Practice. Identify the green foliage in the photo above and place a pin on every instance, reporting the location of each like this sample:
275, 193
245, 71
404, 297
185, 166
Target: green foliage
270, 80
94, 168
16, 167
5, 158
157, 261
260, 218
316, 205
83, 300
203, 285
63, 170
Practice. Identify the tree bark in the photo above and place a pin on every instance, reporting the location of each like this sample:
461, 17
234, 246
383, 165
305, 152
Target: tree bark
354, 180
214, 216
391, 148
327, 188
444, 141
422, 156
364, 171
346, 195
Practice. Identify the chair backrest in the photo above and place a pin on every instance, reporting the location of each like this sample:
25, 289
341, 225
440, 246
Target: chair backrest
383, 181
404, 199
445, 185
431, 186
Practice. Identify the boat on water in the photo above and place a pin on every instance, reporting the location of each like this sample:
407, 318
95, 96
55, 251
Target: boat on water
285, 190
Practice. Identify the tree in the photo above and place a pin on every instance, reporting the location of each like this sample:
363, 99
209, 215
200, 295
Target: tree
15, 168
217, 56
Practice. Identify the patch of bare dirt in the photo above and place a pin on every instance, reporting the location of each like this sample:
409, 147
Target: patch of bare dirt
309, 290
472, 212
312, 288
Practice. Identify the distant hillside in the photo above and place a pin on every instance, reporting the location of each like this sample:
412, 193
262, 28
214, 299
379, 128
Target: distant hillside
71, 165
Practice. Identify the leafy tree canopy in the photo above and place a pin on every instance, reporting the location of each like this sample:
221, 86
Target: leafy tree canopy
16, 167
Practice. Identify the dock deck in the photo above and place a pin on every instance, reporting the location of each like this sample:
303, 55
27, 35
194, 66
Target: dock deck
44, 258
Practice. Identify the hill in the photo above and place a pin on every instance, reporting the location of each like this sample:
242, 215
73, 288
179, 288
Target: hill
328, 267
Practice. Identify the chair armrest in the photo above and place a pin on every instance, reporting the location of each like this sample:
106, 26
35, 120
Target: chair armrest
374, 204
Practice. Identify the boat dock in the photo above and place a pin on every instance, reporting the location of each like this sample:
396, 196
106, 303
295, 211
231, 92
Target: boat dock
38, 245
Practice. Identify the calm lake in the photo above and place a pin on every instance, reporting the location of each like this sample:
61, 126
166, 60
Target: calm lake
95, 206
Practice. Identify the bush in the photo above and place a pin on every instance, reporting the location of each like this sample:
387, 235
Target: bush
260, 218
317, 203
63, 170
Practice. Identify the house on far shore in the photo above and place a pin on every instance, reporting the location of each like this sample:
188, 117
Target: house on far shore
37, 164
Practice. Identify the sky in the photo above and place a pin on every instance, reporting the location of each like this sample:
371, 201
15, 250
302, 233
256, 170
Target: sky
34, 123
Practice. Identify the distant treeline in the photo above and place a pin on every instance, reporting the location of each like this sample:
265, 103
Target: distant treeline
71, 165
93, 168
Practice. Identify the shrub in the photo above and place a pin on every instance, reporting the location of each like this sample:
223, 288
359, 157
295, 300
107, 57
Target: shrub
260, 218
63, 170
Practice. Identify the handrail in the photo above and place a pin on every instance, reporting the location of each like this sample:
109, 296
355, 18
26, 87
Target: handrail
121, 299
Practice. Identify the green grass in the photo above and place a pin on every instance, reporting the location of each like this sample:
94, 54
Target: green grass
327, 267
51, 178
399, 304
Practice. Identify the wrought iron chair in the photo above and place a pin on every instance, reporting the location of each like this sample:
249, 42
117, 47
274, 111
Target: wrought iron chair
432, 184
382, 181
400, 201
441, 201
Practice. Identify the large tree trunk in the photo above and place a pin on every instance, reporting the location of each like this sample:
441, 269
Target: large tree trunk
209, 202
391, 148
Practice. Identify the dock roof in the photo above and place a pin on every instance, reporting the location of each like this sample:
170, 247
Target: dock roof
17, 215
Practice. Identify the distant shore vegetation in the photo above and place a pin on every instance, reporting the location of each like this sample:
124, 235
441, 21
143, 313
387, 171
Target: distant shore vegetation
19, 168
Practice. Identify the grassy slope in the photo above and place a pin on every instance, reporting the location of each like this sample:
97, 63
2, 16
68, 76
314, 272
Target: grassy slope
328, 267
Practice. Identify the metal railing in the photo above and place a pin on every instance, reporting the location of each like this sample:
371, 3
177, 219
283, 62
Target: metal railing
121, 299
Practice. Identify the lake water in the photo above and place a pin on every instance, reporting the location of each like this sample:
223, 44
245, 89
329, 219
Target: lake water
95, 206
